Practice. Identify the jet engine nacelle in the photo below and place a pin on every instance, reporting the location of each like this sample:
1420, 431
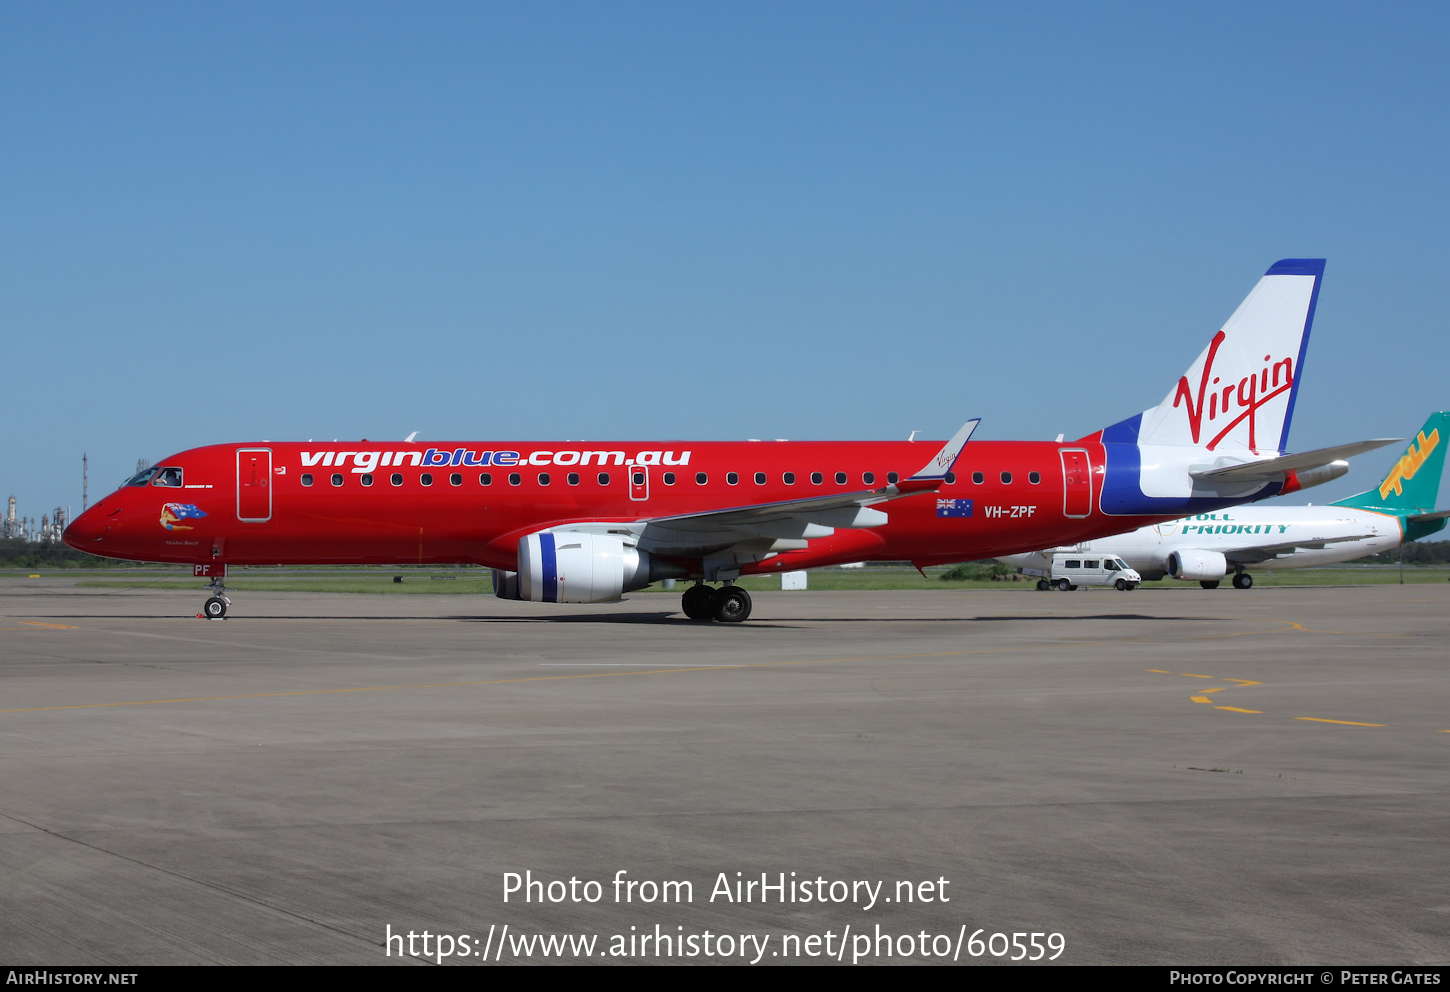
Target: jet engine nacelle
1192, 564
566, 567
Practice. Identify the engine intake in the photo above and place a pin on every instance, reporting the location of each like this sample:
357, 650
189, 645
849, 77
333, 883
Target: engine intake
566, 567
1193, 564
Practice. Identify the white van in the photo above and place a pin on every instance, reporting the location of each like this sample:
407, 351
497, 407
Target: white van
1073, 569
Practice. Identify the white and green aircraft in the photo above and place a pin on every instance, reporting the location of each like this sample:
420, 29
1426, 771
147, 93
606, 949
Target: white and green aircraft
1207, 547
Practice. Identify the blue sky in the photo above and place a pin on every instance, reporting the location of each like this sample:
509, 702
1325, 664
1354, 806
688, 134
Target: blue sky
225, 222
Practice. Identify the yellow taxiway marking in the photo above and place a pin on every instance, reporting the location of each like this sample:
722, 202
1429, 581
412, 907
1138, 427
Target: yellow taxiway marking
1199, 699
1159, 671
1219, 688
1235, 709
1190, 675
531, 678
1241, 682
33, 624
1347, 723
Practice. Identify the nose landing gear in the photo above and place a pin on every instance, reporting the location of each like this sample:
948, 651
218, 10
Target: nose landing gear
216, 605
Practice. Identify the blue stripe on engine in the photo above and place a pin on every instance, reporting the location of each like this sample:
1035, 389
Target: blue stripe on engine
550, 568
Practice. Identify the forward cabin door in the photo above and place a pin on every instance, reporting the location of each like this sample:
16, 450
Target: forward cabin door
1077, 483
254, 485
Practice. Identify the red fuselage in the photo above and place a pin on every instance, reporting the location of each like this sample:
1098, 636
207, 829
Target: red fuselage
375, 503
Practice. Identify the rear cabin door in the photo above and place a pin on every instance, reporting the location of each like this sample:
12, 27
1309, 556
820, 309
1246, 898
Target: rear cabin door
639, 482
1077, 483
254, 484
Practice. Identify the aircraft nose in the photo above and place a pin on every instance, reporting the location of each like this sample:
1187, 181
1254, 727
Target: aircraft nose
88, 528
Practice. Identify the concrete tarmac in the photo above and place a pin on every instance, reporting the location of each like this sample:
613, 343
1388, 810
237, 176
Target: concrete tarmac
1165, 777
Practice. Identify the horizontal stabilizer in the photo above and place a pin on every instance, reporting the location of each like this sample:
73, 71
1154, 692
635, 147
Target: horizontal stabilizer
1425, 518
1266, 469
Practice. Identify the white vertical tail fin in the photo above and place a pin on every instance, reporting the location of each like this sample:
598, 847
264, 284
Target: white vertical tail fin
1239, 395
1234, 404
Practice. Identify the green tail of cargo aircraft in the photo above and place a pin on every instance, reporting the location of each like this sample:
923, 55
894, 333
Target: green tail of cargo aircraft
1410, 489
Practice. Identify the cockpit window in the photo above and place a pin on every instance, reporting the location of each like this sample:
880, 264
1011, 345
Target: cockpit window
142, 478
168, 477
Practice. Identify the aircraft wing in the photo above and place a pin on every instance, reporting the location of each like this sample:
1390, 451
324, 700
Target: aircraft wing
788, 524
1268, 469
792, 523
1256, 554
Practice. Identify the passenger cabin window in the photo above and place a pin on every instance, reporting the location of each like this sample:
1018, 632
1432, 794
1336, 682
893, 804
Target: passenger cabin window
396, 478
760, 478
669, 478
817, 478
951, 478
788, 478
484, 478
869, 478
543, 478
701, 478
1006, 478
638, 478
307, 478
456, 479
366, 479
731, 479
514, 478
572, 478
978, 478
336, 479
1034, 477
604, 478
142, 478
892, 477
170, 477
426, 478
840, 478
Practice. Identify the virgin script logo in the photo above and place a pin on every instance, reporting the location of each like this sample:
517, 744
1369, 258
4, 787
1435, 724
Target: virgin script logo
1250, 393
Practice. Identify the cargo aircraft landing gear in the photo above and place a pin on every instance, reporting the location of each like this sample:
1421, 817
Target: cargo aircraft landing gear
728, 605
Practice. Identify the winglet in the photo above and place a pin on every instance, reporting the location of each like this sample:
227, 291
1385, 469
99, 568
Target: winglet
409, 438
947, 457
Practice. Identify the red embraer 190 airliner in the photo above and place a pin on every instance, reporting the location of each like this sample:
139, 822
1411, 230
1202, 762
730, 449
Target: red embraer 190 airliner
584, 523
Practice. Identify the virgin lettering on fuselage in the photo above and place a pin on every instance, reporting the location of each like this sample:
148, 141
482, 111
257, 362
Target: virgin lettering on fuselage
371, 461
715, 510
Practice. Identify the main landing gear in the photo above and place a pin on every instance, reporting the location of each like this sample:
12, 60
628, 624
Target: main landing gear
729, 604
1243, 580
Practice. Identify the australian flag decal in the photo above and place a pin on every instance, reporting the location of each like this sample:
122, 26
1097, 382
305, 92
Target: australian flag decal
954, 508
